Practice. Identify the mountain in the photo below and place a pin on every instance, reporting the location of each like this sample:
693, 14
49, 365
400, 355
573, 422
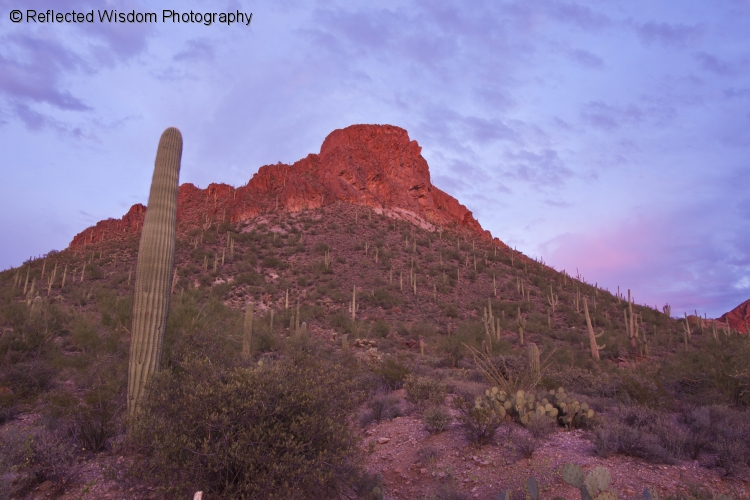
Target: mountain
739, 317
376, 166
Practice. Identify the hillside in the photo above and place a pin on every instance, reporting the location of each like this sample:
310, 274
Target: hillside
434, 297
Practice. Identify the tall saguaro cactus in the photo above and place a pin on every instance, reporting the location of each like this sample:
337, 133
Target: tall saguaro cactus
247, 330
153, 280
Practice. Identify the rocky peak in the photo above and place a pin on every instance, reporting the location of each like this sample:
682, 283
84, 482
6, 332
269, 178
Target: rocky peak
377, 166
739, 317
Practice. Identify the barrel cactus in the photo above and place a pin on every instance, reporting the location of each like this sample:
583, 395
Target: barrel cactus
154, 268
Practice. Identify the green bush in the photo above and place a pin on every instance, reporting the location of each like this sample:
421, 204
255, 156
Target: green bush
436, 419
479, 423
383, 297
277, 431
249, 278
341, 322
382, 406
85, 335
93, 418
424, 390
380, 328
422, 330
35, 457
392, 373
274, 262
641, 432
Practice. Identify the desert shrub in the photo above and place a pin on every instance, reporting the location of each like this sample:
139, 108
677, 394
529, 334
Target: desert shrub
35, 457
525, 445
721, 431
115, 311
221, 290
641, 432
449, 309
541, 427
479, 423
452, 347
94, 418
93, 272
249, 278
423, 330
381, 406
616, 437
8, 408
422, 390
27, 379
277, 431
392, 373
341, 322
436, 419
428, 454
198, 325
639, 390
264, 340
32, 333
85, 335
380, 328
383, 297
717, 373
274, 262
448, 492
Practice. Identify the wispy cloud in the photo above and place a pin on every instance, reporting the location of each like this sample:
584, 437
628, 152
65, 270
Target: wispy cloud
586, 58
670, 34
714, 64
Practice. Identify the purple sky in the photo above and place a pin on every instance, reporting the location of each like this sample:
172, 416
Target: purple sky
611, 137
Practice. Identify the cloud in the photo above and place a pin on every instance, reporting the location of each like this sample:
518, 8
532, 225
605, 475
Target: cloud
579, 15
198, 49
732, 93
714, 64
586, 59
541, 169
558, 203
38, 62
611, 117
661, 258
33, 69
671, 35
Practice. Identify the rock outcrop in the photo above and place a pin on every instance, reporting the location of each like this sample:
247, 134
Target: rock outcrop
739, 317
377, 166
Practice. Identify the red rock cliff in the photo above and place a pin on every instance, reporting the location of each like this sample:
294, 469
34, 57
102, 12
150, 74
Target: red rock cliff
739, 317
371, 165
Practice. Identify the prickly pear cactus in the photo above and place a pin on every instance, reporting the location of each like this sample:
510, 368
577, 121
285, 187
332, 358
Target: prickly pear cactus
572, 474
153, 280
533, 487
606, 495
597, 481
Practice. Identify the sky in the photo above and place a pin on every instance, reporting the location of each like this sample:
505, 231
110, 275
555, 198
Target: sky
610, 139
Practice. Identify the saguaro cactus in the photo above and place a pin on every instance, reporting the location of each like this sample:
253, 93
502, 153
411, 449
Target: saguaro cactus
521, 325
247, 331
154, 268
595, 347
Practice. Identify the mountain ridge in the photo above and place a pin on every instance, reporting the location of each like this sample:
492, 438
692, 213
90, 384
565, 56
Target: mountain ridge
376, 166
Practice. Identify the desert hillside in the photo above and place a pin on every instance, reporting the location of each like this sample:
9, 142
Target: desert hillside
389, 338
